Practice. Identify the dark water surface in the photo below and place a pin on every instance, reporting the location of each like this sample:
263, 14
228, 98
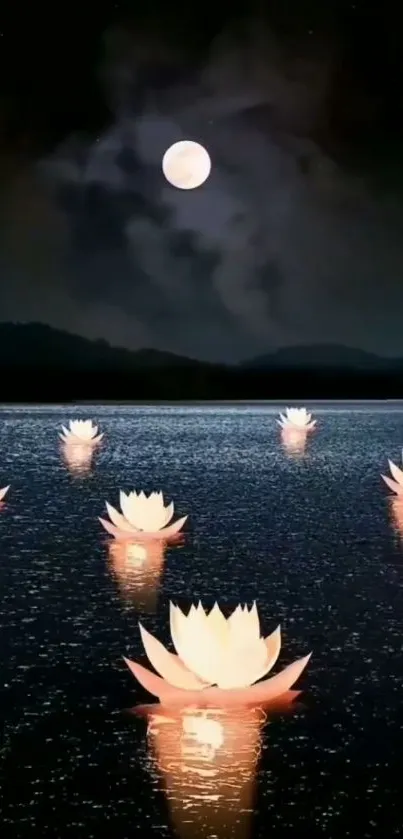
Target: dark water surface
312, 536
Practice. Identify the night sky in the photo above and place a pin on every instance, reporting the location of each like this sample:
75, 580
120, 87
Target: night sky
297, 236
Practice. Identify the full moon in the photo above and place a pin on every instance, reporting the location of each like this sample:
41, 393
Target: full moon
186, 164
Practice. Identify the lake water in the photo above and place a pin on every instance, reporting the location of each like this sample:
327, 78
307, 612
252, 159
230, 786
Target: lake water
312, 535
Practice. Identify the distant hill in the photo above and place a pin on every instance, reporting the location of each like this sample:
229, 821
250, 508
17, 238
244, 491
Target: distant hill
39, 363
320, 356
37, 345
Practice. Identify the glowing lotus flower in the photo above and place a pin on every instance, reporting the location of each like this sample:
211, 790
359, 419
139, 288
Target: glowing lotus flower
218, 660
3, 492
143, 517
395, 485
297, 418
81, 432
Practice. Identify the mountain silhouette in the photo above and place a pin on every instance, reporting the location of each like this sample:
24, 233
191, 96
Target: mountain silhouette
319, 356
39, 363
37, 344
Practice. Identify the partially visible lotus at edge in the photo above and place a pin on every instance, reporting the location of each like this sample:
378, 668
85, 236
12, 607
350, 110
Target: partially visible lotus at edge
395, 483
80, 432
219, 660
3, 493
143, 518
296, 419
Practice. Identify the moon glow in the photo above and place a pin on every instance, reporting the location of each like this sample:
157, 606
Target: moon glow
186, 164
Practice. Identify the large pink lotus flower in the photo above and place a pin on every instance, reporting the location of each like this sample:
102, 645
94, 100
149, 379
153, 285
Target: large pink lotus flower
81, 432
143, 518
3, 493
219, 660
395, 485
297, 419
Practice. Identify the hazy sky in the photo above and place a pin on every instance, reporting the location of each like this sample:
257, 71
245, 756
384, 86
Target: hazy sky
295, 238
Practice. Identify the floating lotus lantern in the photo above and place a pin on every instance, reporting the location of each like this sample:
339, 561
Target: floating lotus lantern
3, 493
219, 660
395, 483
143, 518
296, 419
80, 432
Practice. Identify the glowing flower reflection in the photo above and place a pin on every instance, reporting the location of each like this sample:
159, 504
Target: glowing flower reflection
143, 518
294, 440
219, 660
395, 483
396, 507
78, 458
207, 759
137, 569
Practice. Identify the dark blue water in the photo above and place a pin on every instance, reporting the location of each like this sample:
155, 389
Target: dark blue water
312, 536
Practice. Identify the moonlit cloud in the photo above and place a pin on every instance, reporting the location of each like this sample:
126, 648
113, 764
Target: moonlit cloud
280, 246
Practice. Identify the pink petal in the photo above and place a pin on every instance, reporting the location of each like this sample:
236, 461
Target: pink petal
166, 534
3, 492
173, 529
395, 487
396, 473
168, 666
118, 520
258, 694
113, 531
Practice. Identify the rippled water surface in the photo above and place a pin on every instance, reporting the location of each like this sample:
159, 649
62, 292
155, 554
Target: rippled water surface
312, 535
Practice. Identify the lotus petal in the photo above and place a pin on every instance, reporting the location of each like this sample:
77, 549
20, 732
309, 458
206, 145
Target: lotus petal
273, 646
195, 642
173, 529
397, 488
113, 531
3, 492
118, 520
396, 473
141, 536
257, 694
168, 666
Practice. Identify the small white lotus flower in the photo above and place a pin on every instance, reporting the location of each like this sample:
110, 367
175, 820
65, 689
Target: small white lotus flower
144, 516
81, 432
219, 660
297, 418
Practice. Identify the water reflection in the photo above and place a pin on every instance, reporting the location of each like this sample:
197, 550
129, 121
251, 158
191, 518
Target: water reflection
78, 458
137, 569
294, 441
207, 759
396, 513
